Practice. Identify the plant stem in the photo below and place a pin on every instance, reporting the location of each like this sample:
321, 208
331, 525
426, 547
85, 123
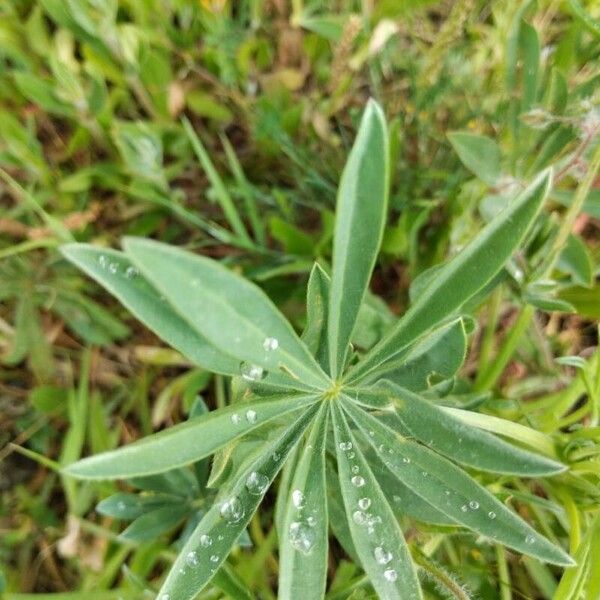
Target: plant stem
503, 574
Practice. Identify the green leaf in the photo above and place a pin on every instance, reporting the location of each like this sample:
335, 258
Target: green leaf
451, 491
154, 523
480, 154
441, 352
463, 443
304, 541
377, 537
236, 316
461, 277
131, 506
186, 442
361, 210
211, 542
317, 299
575, 260
144, 302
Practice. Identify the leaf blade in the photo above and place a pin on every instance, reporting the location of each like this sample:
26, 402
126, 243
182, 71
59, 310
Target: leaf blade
236, 316
463, 276
384, 556
182, 444
361, 211
303, 570
451, 491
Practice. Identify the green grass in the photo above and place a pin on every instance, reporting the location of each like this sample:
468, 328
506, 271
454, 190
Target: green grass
225, 131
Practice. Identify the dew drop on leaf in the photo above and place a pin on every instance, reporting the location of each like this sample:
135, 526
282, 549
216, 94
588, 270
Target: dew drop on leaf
214, 558
474, 505
251, 372
275, 456
382, 556
232, 510
530, 540
235, 419
357, 481
191, 559
131, 273
302, 537
345, 446
165, 597
364, 503
492, 515
359, 517
113, 268
257, 483
355, 469
390, 575
251, 416
205, 540
298, 499
406, 460
103, 261
464, 508
312, 521
270, 343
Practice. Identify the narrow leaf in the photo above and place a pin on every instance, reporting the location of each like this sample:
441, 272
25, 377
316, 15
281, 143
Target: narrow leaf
187, 442
115, 272
461, 442
211, 542
233, 314
361, 210
377, 537
303, 546
479, 154
451, 491
463, 276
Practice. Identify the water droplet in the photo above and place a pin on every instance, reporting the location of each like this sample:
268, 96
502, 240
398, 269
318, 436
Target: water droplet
382, 448
251, 416
464, 508
530, 539
270, 343
312, 521
302, 537
492, 515
355, 469
474, 505
205, 540
232, 510
220, 537
165, 597
214, 558
275, 456
131, 273
382, 556
390, 575
364, 503
103, 261
371, 433
345, 446
121, 505
357, 481
251, 372
235, 419
298, 498
406, 460
350, 455
359, 517
257, 483
192, 559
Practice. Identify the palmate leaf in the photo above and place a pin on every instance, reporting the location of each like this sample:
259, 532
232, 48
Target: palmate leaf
236, 317
211, 541
187, 442
462, 277
304, 536
453, 438
361, 210
451, 491
115, 272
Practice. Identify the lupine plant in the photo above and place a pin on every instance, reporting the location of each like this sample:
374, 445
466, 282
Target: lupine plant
361, 436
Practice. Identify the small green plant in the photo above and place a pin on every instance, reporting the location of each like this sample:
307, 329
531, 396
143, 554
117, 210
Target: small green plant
316, 405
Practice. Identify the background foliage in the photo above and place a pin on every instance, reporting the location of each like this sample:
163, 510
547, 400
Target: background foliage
223, 127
